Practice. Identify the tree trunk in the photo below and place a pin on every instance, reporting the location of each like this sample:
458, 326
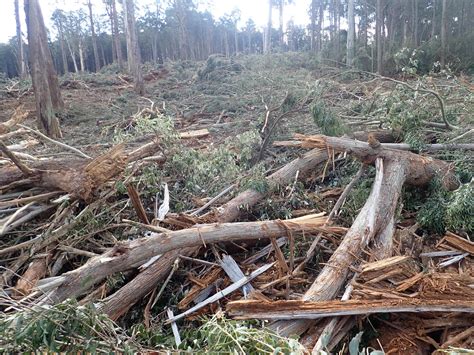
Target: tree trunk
433, 20
443, 33
132, 47
319, 30
81, 55
337, 24
415, 23
94, 38
281, 4
378, 35
364, 24
116, 34
226, 44
268, 31
236, 40
63, 49
350, 34
45, 81
21, 51
73, 56
313, 25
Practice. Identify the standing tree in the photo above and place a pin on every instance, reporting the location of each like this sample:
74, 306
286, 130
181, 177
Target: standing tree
132, 46
268, 31
58, 20
443, 33
94, 38
350, 33
21, 49
45, 81
115, 31
378, 35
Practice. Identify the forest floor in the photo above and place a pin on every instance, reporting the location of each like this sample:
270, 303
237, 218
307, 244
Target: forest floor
217, 129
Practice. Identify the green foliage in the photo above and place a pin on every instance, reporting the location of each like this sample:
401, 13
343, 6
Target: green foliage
203, 173
460, 209
63, 327
432, 211
156, 337
148, 123
407, 60
218, 66
448, 210
327, 121
224, 336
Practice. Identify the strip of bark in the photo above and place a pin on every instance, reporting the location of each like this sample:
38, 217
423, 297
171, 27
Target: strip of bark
298, 309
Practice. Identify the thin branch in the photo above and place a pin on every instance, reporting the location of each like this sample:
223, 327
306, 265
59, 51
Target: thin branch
60, 144
24, 169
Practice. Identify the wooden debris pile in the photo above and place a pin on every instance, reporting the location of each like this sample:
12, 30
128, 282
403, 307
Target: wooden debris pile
307, 275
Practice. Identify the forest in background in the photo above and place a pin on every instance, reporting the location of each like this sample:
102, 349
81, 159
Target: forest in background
372, 35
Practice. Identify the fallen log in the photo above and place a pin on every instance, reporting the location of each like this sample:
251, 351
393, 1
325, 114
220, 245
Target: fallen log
298, 309
118, 304
394, 168
79, 177
305, 164
143, 283
136, 252
421, 169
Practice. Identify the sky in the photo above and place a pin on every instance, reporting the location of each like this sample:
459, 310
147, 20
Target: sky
255, 9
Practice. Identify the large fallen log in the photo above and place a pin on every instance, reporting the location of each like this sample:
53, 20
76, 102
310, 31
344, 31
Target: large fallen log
136, 252
297, 309
118, 303
78, 177
393, 169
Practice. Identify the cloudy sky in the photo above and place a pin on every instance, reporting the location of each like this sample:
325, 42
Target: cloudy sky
255, 9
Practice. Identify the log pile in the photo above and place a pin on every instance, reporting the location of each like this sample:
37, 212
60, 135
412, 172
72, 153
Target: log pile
250, 269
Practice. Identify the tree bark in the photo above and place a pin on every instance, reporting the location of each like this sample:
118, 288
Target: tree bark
21, 48
45, 81
133, 50
94, 38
